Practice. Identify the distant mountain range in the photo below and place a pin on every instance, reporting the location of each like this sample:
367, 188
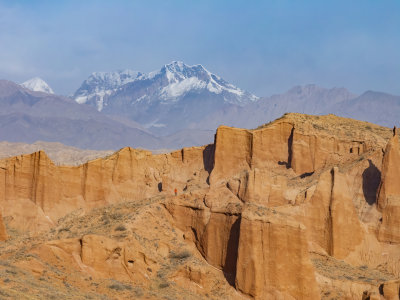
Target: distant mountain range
176, 106
180, 97
176, 97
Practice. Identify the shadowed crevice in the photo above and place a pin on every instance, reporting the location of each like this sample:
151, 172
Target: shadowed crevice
232, 253
371, 178
306, 174
208, 159
290, 149
288, 163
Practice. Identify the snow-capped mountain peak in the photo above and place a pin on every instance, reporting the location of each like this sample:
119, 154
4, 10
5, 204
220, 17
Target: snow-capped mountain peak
113, 79
183, 78
167, 85
101, 84
37, 84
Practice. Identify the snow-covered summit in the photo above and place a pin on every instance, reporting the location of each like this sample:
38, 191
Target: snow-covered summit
183, 78
101, 84
168, 84
37, 84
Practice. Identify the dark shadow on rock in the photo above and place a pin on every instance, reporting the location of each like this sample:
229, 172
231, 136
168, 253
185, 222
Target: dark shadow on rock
381, 289
290, 150
159, 185
208, 159
306, 174
232, 253
371, 179
288, 163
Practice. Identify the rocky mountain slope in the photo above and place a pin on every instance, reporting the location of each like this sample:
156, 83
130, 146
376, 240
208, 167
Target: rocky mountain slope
305, 207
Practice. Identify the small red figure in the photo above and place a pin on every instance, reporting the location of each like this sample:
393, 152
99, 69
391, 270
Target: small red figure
176, 192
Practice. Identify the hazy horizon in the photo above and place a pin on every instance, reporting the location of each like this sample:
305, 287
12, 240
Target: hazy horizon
262, 47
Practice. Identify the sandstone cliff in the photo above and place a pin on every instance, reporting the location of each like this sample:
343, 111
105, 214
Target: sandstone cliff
273, 260
330, 216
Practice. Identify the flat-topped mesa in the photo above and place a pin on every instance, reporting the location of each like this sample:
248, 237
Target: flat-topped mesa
36, 192
298, 142
389, 192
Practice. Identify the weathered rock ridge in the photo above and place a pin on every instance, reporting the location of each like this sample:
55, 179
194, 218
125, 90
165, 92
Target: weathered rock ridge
36, 193
303, 208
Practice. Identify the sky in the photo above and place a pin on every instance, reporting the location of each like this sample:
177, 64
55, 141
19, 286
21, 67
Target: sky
264, 47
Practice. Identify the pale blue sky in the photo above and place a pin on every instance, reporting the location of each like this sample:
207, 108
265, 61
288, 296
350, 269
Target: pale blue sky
264, 47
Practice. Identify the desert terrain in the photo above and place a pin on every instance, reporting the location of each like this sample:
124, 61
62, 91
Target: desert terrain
304, 207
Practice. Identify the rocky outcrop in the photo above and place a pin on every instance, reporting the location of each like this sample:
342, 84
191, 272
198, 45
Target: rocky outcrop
273, 260
389, 192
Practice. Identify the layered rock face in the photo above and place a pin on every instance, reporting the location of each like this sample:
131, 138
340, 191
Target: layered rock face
302, 208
